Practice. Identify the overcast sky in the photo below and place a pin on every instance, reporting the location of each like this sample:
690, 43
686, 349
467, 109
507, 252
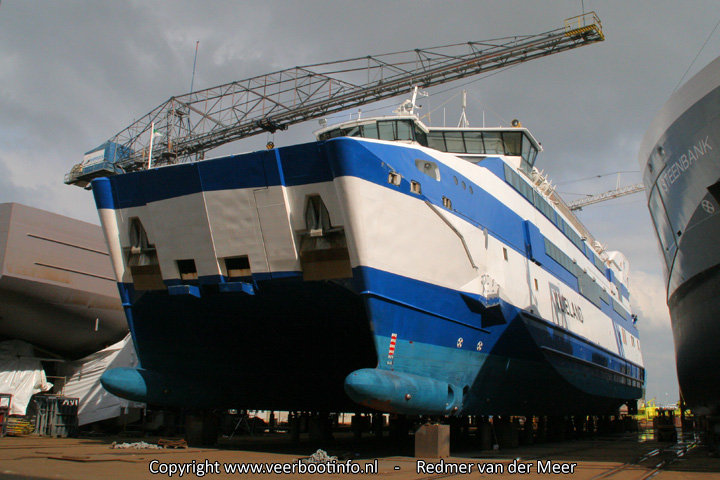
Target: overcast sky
74, 73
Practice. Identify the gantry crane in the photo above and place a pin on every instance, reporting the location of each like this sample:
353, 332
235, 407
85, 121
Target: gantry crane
185, 127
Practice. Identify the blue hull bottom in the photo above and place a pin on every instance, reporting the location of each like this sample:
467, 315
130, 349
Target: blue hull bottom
288, 347
328, 346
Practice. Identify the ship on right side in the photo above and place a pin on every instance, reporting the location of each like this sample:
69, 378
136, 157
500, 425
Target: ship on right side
680, 160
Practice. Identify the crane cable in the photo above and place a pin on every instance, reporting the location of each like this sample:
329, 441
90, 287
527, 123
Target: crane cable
696, 56
596, 176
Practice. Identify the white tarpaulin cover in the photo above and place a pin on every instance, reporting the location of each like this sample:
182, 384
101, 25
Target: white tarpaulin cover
84, 382
21, 374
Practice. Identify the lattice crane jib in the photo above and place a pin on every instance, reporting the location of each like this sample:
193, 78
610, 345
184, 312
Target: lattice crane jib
185, 127
602, 197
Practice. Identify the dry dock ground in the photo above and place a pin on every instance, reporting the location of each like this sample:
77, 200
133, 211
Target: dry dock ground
616, 458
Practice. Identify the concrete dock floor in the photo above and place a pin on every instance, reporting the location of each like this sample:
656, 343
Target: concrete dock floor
621, 458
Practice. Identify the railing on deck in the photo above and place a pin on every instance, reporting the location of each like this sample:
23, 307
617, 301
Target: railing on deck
583, 23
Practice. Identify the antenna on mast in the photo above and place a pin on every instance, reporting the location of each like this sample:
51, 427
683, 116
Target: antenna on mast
192, 82
464, 123
408, 106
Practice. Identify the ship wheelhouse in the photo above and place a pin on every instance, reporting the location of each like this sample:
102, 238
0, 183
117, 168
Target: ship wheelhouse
405, 128
471, 144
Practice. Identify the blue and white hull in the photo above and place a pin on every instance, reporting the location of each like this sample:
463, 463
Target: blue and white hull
356, 273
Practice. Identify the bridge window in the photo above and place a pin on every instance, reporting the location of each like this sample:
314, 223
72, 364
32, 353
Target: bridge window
436, 140
513, 143
526, 150
529, 152
338, 132
420, 136
386, 130
454, 142
393, 130
355, 131
370, 130
483, 142
404, 130
493, 143
474, 143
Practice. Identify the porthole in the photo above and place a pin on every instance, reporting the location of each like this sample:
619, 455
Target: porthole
463, 185
455, 180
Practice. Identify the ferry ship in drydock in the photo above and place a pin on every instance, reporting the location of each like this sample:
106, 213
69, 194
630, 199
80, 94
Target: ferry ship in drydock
679, 158
386, 265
